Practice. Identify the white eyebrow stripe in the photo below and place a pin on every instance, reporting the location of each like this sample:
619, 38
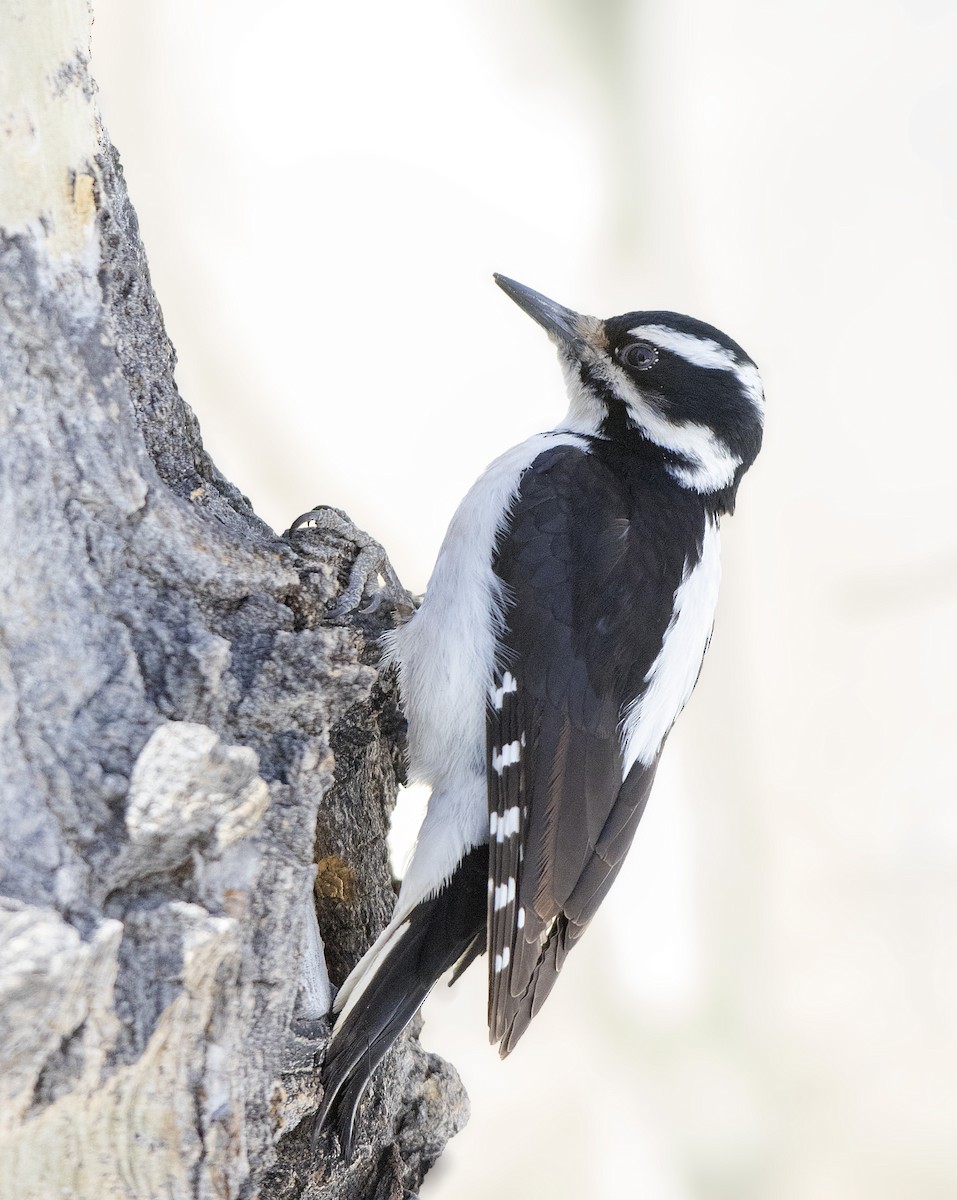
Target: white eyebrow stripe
706, 352
700, 352
750, 379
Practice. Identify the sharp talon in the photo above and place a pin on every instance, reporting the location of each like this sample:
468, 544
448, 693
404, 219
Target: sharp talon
370, 565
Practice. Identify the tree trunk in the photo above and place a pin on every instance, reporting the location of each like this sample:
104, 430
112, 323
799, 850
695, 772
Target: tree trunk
184, 733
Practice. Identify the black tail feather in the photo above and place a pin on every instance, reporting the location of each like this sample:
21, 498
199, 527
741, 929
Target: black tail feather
439, 932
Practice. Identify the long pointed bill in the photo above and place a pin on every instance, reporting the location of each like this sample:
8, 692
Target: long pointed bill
563, 325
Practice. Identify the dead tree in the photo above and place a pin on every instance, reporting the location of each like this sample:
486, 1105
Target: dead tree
184, 733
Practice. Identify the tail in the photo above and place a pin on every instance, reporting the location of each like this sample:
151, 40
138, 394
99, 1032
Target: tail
390, 984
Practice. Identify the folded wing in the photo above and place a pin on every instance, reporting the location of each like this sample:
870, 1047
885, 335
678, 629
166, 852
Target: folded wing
590, 571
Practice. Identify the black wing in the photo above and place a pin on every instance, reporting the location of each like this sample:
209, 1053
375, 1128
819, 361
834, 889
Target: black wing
591, 559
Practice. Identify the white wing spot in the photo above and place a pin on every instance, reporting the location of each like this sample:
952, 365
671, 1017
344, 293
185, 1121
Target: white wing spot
504, 894
509, 824
521, 918
508, 756
509, 684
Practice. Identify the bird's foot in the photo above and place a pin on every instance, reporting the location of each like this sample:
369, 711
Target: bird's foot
371, 574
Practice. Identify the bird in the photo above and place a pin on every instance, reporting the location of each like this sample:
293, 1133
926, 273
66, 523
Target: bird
561, 634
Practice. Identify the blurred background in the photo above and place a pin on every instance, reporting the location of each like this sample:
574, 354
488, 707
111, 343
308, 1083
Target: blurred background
766, 1004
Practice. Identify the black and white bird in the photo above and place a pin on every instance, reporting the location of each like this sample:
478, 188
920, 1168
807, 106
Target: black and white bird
560, 636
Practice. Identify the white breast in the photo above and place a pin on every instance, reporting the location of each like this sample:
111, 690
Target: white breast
673, 674
446, 653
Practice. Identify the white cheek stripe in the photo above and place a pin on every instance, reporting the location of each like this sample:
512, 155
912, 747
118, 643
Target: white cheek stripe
671, 679
710, 465
705, 352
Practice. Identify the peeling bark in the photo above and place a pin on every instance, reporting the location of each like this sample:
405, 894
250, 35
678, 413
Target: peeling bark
183, 735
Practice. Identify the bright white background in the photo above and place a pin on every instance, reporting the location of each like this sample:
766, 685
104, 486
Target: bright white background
766, 1005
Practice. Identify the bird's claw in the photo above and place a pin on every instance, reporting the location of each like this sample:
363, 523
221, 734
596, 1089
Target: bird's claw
371, 572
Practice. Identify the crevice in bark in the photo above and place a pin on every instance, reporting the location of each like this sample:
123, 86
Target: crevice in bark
183, 732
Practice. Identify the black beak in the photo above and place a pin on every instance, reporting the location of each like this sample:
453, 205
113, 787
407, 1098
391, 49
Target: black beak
561, 323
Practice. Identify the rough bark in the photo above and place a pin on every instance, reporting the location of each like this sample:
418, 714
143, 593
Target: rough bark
183, 734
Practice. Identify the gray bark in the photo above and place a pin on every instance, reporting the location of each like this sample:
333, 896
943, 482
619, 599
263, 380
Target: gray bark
184, 734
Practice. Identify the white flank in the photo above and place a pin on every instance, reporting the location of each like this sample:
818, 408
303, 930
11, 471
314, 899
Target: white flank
671, 679
446, 657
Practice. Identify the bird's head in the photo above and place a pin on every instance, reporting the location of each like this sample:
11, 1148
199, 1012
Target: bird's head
669, 380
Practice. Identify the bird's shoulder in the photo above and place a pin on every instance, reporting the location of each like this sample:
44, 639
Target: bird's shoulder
592, 553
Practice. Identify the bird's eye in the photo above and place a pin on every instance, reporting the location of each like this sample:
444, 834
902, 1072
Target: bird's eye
639, 355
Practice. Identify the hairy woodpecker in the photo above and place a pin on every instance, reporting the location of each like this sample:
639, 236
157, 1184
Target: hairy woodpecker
560, 636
